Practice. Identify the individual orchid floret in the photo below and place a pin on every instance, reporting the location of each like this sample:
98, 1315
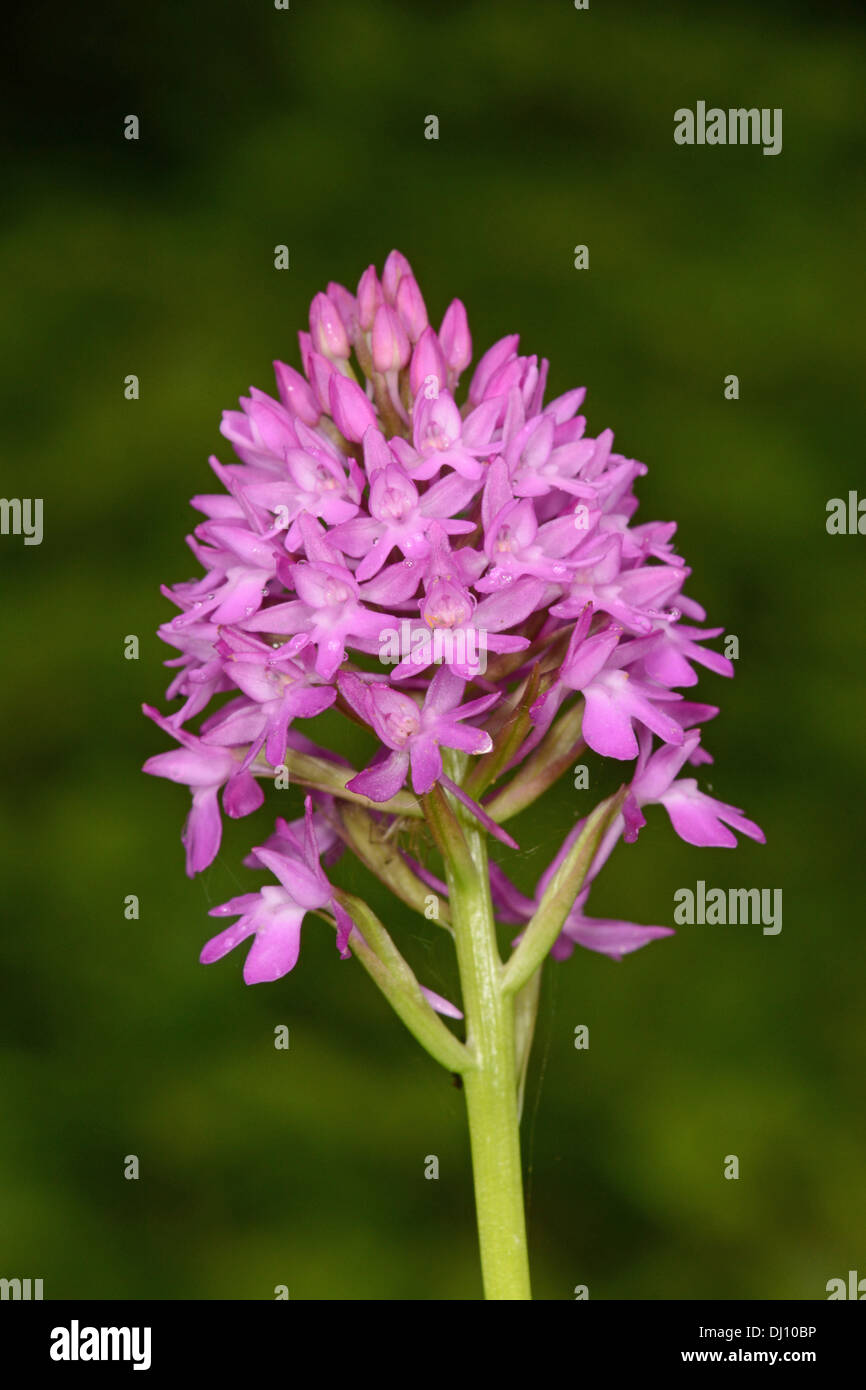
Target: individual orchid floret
200, 673
702, 820
634, 598
230, 592
261, 431
289, 837
315, 484
204, 769
456, 630
614, 701
536, 466
497, 356
674, 646
327, 613
277, 691
442, 438
400, 518
697, 818
274, 915
514, 542
414, 734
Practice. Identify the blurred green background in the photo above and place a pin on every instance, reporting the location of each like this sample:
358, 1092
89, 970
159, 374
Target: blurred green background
306, 1168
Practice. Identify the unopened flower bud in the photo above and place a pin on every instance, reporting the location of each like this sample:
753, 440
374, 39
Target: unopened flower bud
396, 266
455, 338
320, 371
295, 394
369, 297
347, 306
411, 307
390, 343
327, 329
428, 364
494, 358
350, 408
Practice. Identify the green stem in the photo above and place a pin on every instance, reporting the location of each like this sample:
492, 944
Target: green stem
491, 1085
525, 1015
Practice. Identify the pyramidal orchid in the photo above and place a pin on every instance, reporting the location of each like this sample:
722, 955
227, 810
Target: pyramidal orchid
457, 571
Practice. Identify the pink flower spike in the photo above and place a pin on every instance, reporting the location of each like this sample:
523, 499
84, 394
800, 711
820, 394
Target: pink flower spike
390, 547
